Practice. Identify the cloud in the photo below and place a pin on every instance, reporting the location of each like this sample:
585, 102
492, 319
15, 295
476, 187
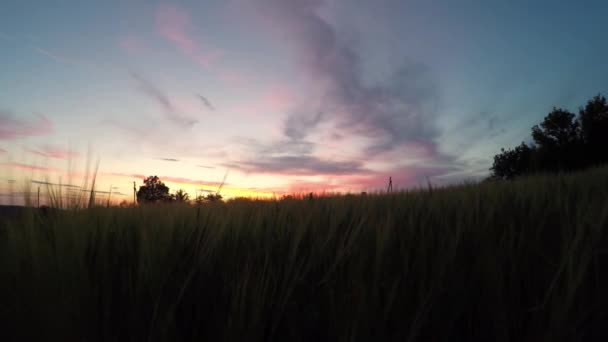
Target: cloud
190, 181
297, 126
121, 174
169, 159
290, 157
12, 127
206, 102
392, 122
169, 110
2, 151
207, 191
58, 57
30, 167
55, 184
174, 24
206, 166
257, 149
52, 151
400, 110
301, 165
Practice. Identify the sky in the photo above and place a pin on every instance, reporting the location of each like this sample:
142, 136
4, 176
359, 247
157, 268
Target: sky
282, 96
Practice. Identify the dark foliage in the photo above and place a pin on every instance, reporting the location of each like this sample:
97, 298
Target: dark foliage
153, 191
562, 142
209, 198
181, 196
524, 261
511, 163
594, 129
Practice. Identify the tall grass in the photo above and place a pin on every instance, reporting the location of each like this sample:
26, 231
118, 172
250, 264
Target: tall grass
520, 261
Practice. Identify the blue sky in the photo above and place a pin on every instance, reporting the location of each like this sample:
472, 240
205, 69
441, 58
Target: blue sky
310, 95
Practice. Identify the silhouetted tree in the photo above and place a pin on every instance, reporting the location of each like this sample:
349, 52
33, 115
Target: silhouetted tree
594, 129
181, 196
209, 198
559, 128
511, 163
213, 197
153, 191
558, 141
563, 142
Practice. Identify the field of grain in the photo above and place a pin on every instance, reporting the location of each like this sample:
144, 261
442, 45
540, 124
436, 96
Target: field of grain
505, 261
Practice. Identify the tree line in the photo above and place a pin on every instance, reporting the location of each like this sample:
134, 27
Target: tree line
155, 191
562, 142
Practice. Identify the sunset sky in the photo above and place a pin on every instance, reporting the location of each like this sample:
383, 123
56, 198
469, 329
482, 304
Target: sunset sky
283, 96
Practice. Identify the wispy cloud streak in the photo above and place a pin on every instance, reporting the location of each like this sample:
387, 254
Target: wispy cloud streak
30, 167
206, 102
55, 184
12, 127
300, 165
52, 151
169, 110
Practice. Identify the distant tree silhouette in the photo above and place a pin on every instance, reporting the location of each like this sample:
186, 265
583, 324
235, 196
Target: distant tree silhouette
153, 191
562, 142
209, 198
181, 196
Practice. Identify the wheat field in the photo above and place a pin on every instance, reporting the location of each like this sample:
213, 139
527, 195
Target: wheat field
512, 261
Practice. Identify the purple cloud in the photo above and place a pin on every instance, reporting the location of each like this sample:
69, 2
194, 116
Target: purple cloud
12, 127
400, 110
300, 165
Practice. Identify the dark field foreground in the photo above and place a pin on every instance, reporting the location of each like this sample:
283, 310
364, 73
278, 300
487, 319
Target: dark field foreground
521, 261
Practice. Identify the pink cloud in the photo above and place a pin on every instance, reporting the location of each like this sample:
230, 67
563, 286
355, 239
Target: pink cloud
13, 128
2, 151
52, 151
174, 24
57, 57
30, 167
189, 181
279, 97
125, 175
